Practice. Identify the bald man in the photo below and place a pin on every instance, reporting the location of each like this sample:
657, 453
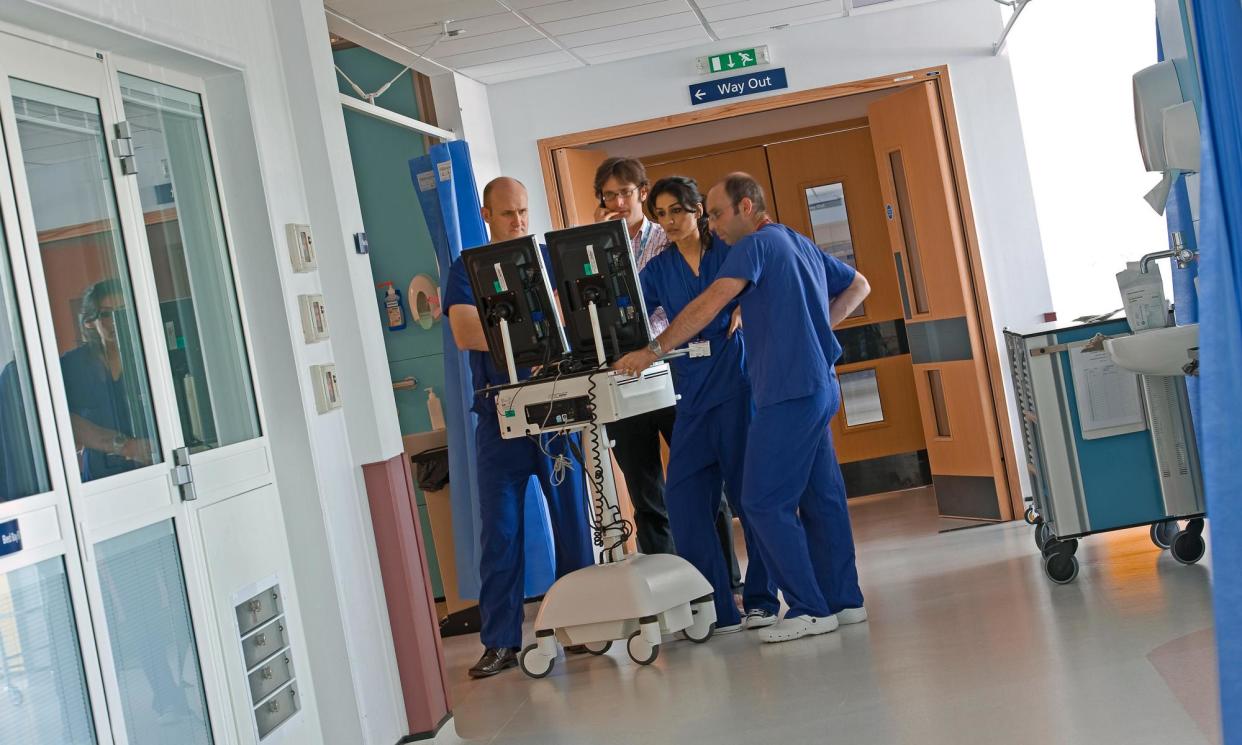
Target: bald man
506, 466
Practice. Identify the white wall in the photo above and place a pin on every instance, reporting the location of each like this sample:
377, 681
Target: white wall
284, 159
957, 32
1072, 65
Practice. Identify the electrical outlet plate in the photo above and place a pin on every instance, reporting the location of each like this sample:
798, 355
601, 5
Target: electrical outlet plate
301, 248
314, 318
327, 392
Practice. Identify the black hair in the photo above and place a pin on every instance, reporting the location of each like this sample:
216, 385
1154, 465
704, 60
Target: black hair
89, 310
625, 170
739, 186
686, 191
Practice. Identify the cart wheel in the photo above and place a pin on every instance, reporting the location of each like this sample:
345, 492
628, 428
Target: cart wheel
1061, 568
534, 663
698, 636
598, 648
1030, 515
640, 651
1163, 533
1188, 547
1042, 534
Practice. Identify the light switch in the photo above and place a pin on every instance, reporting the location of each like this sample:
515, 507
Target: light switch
301, 248
327, 392
314, 318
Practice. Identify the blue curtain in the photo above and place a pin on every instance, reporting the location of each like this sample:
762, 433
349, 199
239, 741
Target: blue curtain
449, 197
1218, 25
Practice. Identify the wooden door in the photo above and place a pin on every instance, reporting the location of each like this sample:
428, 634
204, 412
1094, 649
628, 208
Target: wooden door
708, 169
575, 174
826, 187
951, 374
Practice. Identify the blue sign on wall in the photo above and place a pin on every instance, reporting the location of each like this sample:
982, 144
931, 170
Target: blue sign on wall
738, 85
10, 538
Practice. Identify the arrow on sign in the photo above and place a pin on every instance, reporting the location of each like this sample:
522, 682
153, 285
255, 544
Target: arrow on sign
699, 94
731, 62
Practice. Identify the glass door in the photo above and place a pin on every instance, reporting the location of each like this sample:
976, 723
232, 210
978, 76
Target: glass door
102, 334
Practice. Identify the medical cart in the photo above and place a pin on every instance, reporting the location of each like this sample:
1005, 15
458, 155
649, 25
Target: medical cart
1105, 448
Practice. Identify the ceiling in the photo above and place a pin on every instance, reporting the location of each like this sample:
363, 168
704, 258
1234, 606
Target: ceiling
497, 40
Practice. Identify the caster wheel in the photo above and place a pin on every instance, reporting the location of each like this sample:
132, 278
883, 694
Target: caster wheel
1061, 568
1188, 547
1042, 535
640, 651
1029, 515
1163, 533
697, 635
534, 663
598, 648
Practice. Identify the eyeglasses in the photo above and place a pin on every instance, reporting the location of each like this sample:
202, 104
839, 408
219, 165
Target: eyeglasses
625, 193
108, 313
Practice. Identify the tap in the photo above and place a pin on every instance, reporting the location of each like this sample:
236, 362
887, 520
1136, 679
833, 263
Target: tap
1179, 253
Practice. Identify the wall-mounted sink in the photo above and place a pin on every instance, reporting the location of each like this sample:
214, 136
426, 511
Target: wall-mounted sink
1156, 352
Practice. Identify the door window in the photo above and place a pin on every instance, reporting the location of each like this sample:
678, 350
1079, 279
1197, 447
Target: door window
71, 193
860, 397
23, 468
43, 698
830, 226
193, 272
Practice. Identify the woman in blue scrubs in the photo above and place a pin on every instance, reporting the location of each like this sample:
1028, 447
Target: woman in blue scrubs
714, 408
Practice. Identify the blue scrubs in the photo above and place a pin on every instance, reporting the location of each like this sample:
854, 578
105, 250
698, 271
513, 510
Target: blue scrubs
505, 467
792, 489
709, 436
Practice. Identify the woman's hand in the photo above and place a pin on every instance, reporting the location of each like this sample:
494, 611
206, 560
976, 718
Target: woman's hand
735, 322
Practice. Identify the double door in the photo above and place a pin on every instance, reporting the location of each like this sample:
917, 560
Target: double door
128, 413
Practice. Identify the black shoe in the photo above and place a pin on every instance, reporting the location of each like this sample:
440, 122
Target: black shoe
494, 660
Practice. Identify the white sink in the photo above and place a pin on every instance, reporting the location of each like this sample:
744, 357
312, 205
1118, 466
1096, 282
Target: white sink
1155, 352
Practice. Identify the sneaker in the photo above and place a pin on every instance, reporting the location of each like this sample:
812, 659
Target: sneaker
848, 616
730, 629
795, 628
759, 618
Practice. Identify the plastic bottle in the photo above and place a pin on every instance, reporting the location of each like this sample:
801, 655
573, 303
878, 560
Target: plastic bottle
434, 410
394, 310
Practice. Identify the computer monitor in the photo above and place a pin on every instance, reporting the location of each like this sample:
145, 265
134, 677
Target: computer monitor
510, 282
595, 263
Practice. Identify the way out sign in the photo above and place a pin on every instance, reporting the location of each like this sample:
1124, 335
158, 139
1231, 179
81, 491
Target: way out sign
738, 85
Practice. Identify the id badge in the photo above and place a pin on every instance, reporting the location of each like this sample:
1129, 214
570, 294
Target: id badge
701, 348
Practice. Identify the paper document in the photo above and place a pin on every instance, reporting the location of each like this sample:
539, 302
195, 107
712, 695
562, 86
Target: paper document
1108, 395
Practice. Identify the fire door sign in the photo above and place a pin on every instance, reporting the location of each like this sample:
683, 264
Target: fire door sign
731, 61
10, 538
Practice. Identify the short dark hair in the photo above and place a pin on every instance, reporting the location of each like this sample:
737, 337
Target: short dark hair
739, 186
628, 170
487, 190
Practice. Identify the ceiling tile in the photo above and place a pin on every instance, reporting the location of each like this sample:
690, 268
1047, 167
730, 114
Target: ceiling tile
640, 51
744, 8
506, 75
499, 54
615, 17
621, 32
757, 23
466, 43
533, 62
687, 37
384, 16
575, 8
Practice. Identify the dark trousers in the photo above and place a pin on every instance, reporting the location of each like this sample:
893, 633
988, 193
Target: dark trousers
636, 446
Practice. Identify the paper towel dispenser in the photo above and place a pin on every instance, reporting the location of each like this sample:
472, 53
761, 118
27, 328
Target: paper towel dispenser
1155, 89
1181, 137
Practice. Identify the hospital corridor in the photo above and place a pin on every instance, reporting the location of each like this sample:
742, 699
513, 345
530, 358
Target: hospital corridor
620, 372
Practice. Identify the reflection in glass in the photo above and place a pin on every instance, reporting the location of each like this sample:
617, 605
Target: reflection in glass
43, 698
23, 470
193, 275
152, 639
71, 192
830, 226
860, 397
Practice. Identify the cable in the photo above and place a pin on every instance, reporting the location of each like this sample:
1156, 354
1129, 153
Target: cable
615, 521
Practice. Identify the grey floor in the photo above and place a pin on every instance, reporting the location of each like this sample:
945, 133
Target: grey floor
967, 643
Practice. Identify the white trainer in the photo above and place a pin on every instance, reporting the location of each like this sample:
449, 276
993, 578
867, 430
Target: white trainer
731, 629
795, 628
758, 619
849, 616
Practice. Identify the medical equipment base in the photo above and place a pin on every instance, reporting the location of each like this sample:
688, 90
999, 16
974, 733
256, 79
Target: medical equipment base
1101, 464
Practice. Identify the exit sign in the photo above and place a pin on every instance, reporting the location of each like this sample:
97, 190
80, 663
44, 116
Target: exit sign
731, 61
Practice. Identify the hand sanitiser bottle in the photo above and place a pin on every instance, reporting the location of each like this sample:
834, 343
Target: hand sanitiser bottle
393, 309
434, 410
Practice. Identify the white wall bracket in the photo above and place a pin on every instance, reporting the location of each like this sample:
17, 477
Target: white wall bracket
1018, 6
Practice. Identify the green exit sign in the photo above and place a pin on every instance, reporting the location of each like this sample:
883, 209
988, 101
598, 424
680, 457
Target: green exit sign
731, 61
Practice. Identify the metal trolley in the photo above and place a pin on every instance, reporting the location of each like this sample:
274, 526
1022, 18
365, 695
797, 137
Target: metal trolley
1101, 455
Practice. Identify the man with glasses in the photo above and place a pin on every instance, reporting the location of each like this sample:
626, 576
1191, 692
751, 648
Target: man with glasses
621, 187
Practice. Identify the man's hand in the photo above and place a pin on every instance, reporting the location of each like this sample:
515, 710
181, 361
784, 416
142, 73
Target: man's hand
635, 362
735, 322
603, 214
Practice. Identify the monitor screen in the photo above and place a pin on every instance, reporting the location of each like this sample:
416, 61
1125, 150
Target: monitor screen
510, 283
595, 263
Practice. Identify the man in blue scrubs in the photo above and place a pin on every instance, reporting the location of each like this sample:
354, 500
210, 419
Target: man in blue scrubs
791, 294
505, 466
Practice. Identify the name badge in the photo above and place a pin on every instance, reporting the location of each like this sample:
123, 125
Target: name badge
701, 348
